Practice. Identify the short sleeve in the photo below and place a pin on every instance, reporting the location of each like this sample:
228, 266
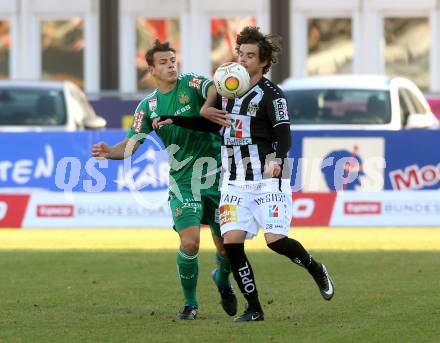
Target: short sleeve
277, 109
199, 83
141, 124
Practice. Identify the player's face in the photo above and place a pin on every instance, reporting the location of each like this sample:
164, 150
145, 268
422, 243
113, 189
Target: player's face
165, 67
248, 56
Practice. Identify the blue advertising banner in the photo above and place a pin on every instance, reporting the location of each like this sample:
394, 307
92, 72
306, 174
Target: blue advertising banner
62, 162
365, 160
321, 161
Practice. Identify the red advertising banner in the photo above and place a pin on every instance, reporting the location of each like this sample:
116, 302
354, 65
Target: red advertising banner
312, 209
12, 210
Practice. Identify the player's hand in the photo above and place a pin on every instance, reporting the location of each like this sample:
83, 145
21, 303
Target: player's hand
158, 123
272, 168
216, 116
101, 151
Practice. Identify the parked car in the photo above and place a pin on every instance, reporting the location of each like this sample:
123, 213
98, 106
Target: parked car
371, 102
45, 105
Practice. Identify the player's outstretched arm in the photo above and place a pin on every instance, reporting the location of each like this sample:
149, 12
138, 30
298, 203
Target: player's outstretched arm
208, 111
193, 123
122, 150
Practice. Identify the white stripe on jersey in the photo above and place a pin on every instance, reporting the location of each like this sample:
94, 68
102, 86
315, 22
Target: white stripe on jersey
240, 171
204, 91
255, 162
226, 163
255, 101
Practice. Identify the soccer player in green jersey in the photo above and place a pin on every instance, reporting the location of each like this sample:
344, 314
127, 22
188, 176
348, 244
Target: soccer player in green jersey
190, 152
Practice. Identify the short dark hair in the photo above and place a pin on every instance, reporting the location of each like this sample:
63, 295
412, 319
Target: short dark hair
269, 46
158, 46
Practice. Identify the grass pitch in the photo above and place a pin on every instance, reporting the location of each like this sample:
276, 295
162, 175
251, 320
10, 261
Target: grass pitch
116, 286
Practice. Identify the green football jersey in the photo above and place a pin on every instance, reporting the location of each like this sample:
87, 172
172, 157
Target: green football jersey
185, 147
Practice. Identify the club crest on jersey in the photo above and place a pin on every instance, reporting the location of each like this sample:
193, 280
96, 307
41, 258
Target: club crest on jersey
273, 211
195, 83
183, 98
137, 120
152, 104
280, 107
253, 108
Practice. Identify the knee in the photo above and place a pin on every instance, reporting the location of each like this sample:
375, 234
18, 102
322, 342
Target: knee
190, 246
279, 246
234, 249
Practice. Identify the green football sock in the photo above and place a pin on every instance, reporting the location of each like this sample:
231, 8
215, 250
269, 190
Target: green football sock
188, 269
223, 271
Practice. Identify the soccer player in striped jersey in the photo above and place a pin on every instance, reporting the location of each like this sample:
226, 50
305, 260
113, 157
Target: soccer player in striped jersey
256, 182
191, 204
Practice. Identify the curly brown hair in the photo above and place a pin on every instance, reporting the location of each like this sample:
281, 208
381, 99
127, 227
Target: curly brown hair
158, 46
269, 46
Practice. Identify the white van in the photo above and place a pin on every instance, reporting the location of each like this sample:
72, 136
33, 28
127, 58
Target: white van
356, 102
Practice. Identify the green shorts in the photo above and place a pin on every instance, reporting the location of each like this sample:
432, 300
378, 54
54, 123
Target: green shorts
188, 212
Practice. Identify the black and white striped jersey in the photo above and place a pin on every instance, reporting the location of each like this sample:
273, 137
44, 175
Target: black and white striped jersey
251, 138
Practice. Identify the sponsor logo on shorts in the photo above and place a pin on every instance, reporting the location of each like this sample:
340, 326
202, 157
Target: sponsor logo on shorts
246, 186
228, 214
217, 216
273, 211
192, 204
178, 212
232, 199
275, 225
271, 197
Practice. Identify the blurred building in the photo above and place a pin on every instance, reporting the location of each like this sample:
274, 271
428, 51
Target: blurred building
100, 44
